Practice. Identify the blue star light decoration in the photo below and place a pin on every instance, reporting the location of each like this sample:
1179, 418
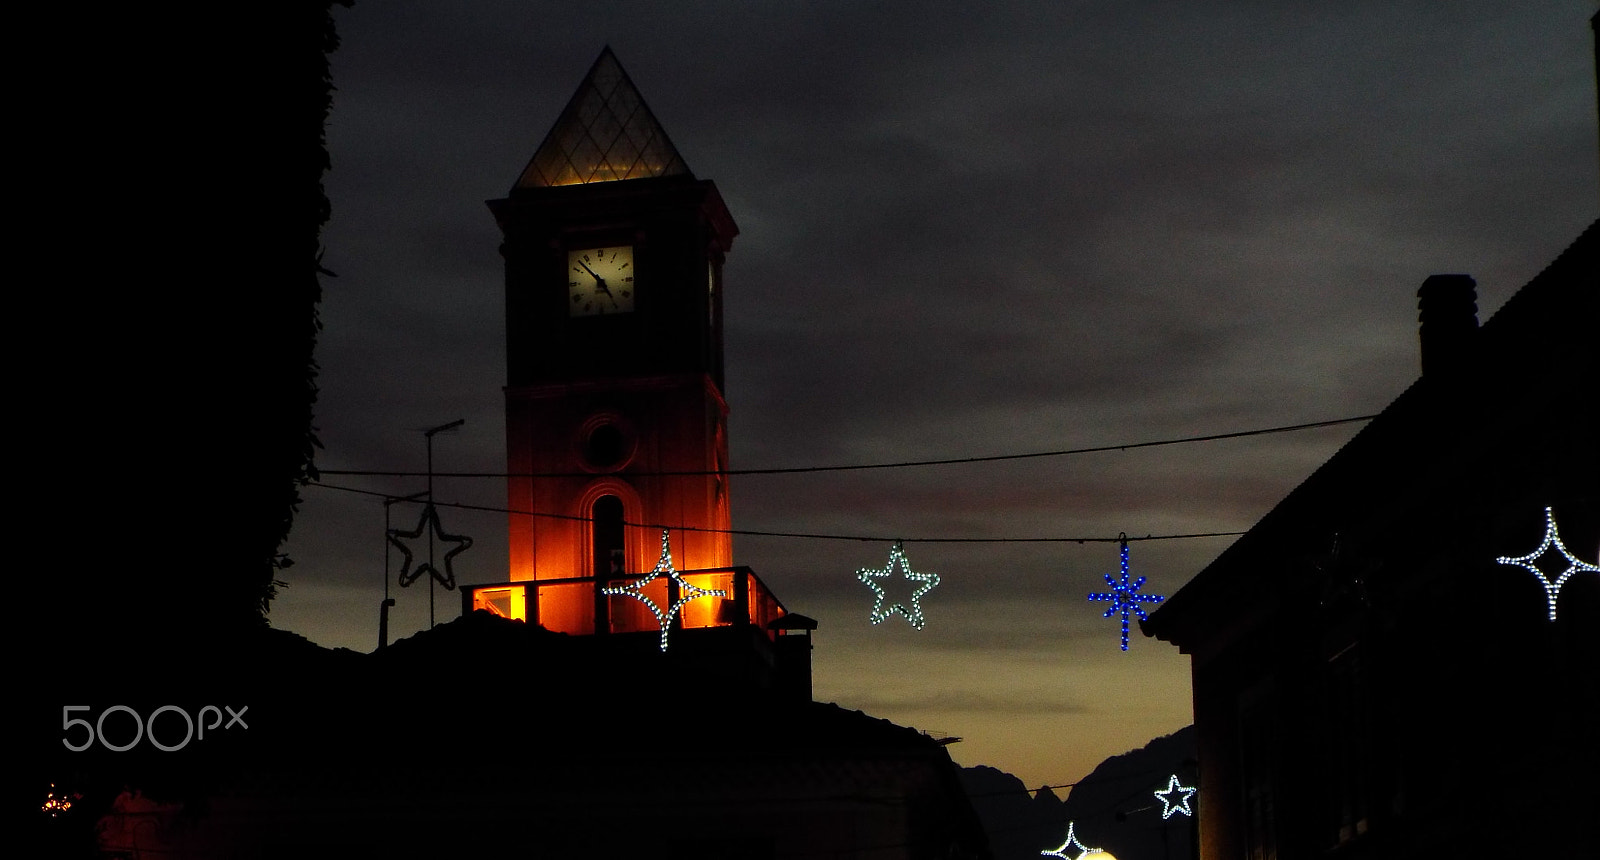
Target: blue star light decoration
1125, 597
686, 591
1072, 844
429, 520
897, 558
1170, 806
1552, 538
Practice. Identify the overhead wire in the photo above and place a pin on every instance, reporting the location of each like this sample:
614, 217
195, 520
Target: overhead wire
800, 535
1080, 539
843, 468
856, 467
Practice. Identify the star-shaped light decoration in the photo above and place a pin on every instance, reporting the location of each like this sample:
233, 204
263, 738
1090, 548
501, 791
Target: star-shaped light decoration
1072, 844
1531, 562
1181, 804
897, 558
686, 591
1124, 596
1343, 579
430, 519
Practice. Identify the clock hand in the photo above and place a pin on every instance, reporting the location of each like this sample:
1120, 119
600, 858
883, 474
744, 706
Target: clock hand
599, 281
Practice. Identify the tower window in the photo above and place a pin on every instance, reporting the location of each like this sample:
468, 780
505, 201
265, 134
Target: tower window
608, 556
605, 446
608, 559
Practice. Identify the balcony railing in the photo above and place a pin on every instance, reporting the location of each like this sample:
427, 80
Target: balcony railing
577, 607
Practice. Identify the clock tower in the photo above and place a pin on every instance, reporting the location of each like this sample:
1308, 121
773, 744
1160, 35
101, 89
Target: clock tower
616, 426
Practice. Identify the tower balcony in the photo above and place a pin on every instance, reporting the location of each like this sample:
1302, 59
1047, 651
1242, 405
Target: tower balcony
579, 606
742, 640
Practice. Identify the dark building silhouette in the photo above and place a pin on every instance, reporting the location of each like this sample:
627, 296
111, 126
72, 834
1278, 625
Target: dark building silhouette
581, 752
1402, 658
1372, 677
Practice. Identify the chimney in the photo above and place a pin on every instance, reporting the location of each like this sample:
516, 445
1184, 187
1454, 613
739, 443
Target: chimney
1447, 308
792, 652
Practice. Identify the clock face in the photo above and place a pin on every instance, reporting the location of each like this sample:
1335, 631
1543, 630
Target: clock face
600, 281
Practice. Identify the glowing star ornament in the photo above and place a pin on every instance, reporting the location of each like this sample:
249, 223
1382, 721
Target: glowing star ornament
686, 591
1177, 790
871, 576
1124, 597
1077, 849
1530, 562
429, 520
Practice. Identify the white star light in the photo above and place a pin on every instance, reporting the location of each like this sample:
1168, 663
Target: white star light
1170, 806
897, 558
1072, 843
686, 592
1529, 561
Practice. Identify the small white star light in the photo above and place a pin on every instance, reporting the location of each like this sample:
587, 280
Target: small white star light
1177, 790
1530, 561
897, 558
686, 591
1072, 844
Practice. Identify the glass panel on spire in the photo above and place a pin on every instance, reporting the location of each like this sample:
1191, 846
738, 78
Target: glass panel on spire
605, 133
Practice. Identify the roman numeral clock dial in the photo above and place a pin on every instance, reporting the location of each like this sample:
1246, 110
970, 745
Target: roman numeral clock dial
600, 281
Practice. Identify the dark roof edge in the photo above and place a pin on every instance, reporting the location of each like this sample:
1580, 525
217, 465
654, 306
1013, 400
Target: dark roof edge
1395, 422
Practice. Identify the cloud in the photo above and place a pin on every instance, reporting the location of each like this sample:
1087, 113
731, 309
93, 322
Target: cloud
976, 230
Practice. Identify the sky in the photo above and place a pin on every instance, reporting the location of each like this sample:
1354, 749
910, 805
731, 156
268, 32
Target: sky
965, 230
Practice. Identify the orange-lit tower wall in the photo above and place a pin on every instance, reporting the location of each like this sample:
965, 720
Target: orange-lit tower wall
616, 426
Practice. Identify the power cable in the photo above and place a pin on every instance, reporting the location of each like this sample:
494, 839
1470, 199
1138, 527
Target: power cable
803, 535
902, 464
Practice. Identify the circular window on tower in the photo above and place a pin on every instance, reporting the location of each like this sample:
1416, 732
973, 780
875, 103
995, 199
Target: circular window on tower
607, 445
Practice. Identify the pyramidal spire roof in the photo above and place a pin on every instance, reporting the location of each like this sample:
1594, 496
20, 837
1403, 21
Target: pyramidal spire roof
605, 133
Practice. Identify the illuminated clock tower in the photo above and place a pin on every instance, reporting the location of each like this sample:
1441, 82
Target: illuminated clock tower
615, 418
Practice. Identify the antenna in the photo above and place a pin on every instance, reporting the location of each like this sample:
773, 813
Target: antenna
429, 434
